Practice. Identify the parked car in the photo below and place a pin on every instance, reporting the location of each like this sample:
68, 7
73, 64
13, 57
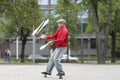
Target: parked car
70, 58
36, 56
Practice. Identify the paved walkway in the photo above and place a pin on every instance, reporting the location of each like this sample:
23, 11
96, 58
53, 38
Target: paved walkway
73, 72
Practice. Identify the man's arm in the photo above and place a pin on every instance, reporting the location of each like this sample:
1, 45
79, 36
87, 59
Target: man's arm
49, 37
52, 36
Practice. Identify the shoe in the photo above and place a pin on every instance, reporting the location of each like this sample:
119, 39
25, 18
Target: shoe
46, 73
63, 74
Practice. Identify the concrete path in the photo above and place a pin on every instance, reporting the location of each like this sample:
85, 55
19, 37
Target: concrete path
73, 72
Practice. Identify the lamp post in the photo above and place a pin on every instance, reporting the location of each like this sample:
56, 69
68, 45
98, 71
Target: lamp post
33, 54
81, 39
17, 48
68, 49
17, 41
34, 38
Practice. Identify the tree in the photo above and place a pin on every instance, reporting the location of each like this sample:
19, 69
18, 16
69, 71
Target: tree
3, 22
21, 16
115, 29
3, 4
102, 45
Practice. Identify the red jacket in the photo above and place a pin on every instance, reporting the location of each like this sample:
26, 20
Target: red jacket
60, 37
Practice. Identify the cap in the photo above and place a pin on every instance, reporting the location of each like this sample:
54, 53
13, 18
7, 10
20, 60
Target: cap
61, 21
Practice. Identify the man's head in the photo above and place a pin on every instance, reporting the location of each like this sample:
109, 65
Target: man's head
61, 22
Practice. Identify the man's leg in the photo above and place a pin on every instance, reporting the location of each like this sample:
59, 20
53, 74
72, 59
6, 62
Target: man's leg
57, 59
50, 64
7, 59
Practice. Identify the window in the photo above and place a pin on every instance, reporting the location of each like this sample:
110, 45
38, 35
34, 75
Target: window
52, 12
53, 2
85, 26
72, 1
46, 12
43, 2
93, 43
78, 1
83, 14
85, 43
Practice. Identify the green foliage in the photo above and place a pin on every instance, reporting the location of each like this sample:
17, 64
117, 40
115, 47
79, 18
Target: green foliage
20, 16
3, 6
102, 8
118, 43
90, 28
116, 17
103, 13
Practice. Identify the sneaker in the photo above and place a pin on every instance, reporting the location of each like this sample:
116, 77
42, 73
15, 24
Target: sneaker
63, 74
46, 73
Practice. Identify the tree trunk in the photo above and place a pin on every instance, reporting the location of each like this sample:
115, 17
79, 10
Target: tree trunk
23, 50
101, 52
105, 46
96, 24
113, 52
23, 38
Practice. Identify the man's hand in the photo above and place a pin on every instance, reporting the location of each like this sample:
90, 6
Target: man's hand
43, 36
50, 42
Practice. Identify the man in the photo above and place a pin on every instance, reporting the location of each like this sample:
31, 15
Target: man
7, 55
60, 39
